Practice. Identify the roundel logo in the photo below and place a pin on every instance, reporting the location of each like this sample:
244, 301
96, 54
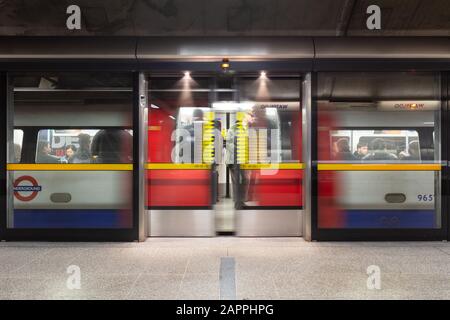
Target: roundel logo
26, 188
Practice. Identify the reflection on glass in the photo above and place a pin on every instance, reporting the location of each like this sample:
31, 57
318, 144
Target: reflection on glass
18, 142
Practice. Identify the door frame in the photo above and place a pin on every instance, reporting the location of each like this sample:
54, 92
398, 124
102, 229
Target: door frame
445, 78
3, 142
67, 234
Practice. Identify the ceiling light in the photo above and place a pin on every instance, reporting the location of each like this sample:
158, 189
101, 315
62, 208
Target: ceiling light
225, 64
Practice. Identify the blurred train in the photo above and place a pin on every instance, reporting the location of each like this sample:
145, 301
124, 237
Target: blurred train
50, 191
394, 180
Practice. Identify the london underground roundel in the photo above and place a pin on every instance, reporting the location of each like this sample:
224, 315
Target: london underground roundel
26, 188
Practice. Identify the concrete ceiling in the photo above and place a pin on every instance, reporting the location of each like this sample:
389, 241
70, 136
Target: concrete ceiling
226, 18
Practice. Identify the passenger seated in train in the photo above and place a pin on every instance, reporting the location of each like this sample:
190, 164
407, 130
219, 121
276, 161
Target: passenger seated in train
83, 154
69, 152
413, 152
361, 150
342, 150
112, 146
378, 151
43, 153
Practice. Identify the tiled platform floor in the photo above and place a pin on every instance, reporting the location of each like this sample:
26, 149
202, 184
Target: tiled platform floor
269, 268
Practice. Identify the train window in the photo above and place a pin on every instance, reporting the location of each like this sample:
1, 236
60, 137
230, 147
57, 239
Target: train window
84, 146
75, 170
379, 150
375, 145
18, 142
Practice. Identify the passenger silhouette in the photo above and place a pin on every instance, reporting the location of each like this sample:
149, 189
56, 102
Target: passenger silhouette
413, 152
343, 150
361, 150
83, 154
112, 146
69, 153
43, 153
378, 151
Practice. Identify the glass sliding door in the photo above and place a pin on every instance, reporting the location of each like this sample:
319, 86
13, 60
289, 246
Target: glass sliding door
224, 154
70, 151
379, 152
179, 169
268, 166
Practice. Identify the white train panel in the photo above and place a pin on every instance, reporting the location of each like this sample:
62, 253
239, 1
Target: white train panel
73, 190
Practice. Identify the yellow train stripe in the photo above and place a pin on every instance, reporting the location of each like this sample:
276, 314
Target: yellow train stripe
177, 166
378, 167
272, 166
68, 167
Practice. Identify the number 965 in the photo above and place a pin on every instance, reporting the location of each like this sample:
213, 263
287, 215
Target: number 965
425, 197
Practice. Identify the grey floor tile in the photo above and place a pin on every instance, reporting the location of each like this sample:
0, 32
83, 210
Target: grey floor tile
54, 262
23, 288
13, 258
206, 260
444, 249
427, 284
200, 286
153, 287
181, 268
323, 285
255, 286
